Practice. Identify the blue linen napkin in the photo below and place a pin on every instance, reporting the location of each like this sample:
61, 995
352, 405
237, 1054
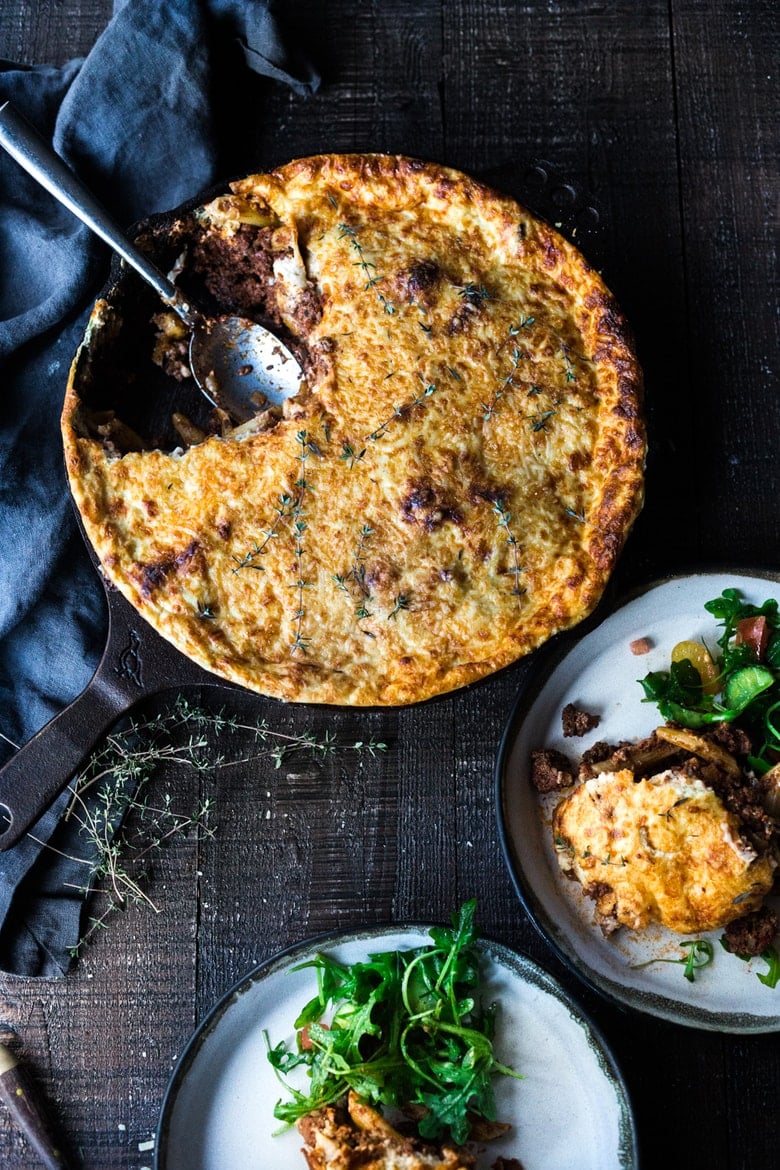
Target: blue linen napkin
137, 120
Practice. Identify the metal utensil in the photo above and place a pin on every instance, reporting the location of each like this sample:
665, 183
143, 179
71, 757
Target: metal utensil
235, 362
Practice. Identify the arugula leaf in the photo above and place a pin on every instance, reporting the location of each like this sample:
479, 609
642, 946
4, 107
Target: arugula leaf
405, 1027
771, 977
700, 954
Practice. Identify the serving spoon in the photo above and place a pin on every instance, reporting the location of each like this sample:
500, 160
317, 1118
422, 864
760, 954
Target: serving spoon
239, 365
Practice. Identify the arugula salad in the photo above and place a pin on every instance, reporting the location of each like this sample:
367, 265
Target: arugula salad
738, 681
404, 1030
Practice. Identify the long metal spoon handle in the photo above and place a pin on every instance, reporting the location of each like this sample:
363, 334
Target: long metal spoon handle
25, 144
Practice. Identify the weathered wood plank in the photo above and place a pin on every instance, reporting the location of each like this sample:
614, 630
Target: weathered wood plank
600, 90
49, 32
726, 58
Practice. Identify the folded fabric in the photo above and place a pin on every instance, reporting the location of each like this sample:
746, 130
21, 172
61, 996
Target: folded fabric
137, 120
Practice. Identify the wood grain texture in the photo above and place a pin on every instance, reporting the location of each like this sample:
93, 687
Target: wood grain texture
726, 85
666, 114
50, 32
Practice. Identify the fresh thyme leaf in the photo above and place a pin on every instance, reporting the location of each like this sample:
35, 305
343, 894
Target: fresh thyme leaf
124, 826
474, 293
400, 602
401, 1028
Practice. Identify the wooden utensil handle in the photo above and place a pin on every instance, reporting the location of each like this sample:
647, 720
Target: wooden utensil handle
22, 1101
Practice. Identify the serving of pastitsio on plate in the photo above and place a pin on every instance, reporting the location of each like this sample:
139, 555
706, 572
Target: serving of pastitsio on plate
599, 672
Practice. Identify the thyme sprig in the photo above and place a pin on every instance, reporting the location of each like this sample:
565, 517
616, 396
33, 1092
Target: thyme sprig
474, 293
429, 388
400, 601
489, 408
124, 828
539, 419
348, 232
300, 643
517, 356
247, 561
568, 363
353, 583
350, 456
504, 517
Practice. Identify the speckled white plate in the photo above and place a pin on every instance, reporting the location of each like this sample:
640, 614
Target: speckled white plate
571, 1112
598, 672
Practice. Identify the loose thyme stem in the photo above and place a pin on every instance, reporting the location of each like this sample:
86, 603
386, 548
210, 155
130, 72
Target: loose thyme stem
504, 517
404, 408
123, 832
300, 644
283, 512
346, 231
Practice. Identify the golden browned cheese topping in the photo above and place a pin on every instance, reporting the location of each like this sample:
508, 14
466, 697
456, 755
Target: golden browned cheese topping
662, 849
452, 486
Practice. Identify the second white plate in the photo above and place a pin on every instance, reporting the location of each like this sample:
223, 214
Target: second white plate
599, 673
571, 1111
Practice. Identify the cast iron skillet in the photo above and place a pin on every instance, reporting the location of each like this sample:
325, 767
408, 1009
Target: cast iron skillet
137, 661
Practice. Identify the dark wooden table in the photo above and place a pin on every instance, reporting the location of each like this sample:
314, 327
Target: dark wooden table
666, 112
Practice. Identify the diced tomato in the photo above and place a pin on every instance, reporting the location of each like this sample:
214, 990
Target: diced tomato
304, 1040
753, 632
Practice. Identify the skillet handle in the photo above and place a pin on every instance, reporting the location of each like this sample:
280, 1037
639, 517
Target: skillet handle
42, 767
136, 663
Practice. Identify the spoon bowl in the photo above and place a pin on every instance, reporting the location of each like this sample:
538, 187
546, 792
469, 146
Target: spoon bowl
240, 366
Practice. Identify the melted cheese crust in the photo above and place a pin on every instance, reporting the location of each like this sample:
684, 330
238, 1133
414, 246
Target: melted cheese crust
662, 849
453, 487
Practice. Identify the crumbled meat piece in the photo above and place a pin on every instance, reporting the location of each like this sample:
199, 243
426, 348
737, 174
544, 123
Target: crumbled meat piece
752, 934
601, 750
742, 795
606, 906
117, 437
642, 757
733, 739
352, 1134
550, 770
507, 1164
640, 646
577, 722
306, 311
171, 345
487, 1131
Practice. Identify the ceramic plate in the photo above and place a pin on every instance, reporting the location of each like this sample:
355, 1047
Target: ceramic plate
599, 673
571, 1111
